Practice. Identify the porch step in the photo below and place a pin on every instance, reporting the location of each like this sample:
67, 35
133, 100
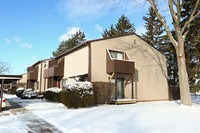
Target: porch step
124, 101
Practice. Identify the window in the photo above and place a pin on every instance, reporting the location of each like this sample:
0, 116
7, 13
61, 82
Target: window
45, 64
64, 81
116, 55
36, 85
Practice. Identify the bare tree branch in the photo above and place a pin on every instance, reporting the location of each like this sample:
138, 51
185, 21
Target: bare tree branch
192, 17
183, 1
173, 13
175, 3
3, 68
164, 23
178, 7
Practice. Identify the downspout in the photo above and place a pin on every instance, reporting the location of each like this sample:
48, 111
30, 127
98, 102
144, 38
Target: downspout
89, 61
132, 86
2, 86
116, 89
40, 77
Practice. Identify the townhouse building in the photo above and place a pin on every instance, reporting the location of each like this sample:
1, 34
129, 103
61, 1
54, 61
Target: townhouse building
137, 69
35, 74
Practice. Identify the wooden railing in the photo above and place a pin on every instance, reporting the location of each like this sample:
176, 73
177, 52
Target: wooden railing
33, 75
119, 66
55, 71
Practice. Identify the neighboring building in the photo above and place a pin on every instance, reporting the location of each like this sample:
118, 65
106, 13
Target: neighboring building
137, 69
22, 83
10, 82
54, 74
35, 76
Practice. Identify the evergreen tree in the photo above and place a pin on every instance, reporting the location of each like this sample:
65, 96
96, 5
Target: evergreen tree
155, 35
123, 27
75, 40
155, 29
192, 45
110, 33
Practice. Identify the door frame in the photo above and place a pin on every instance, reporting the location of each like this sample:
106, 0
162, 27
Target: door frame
118, 88
122, 87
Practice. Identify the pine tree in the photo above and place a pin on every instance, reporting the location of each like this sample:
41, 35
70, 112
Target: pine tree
110, 33
155, 35
155, 29
192, 45
123, 27
75, 40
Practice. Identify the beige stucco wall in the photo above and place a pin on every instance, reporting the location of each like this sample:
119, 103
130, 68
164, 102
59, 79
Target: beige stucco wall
38, 79
22, 82
76, 63
24, 78
42, 75
41, 79
150, 79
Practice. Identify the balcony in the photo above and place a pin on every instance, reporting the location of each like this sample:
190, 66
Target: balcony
53, 62
55, 71
124, 66
31, 68
33, 75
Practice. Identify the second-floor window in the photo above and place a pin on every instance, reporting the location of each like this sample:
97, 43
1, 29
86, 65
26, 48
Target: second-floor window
116, 55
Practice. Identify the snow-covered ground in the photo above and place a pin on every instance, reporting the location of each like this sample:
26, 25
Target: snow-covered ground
149, 117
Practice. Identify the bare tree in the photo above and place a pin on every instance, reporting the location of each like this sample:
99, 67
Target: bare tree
4, 67
181, 32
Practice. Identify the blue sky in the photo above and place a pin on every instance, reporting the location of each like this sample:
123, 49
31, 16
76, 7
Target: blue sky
30, 30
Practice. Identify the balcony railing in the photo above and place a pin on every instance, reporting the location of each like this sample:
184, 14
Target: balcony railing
31, 68
55, 71
125, 66
33, 75
53, 62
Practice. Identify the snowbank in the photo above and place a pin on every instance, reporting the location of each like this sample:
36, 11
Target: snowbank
147, 117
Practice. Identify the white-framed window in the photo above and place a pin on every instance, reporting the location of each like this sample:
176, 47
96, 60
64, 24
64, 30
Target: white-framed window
64, 81
117, 55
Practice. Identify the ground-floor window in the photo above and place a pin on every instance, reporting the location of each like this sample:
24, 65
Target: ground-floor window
36, 85
64, 81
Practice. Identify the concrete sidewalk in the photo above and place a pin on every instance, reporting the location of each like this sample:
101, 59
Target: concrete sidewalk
32, 122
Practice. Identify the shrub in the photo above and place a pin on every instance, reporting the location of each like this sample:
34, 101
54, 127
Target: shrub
78, 94
52, 94
103, 92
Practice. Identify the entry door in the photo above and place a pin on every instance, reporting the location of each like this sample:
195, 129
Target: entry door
120, 87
